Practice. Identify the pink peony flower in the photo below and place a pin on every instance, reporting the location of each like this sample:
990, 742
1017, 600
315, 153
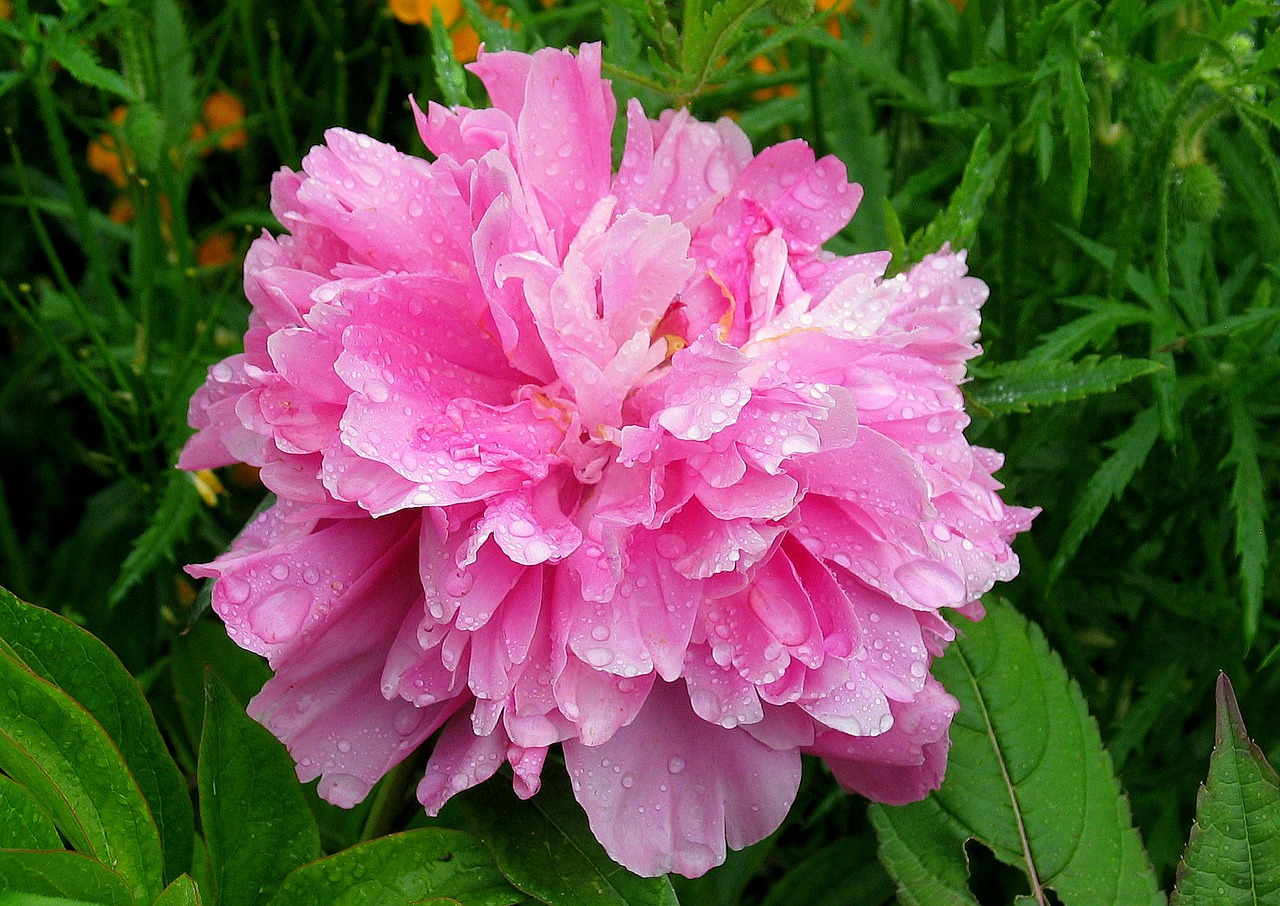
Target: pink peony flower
621, 461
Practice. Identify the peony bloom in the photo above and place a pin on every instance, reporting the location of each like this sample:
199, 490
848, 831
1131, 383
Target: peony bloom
620, 461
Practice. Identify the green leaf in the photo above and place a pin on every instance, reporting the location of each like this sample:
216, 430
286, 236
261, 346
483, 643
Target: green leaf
1027, 777
65, 759
89, 672
170, 521
1076, 125
174, 60
206, 643
708, 36
1017, 386
545, 847
959, 222
23, 823
1248, 499
1233, 855
256, 822
450, 75
76, 58
845, 873
182, 892
402, 869
1107, 484
66, 878
1093, 329
994, 75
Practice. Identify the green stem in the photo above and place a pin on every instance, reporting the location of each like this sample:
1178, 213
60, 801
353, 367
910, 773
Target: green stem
392, 793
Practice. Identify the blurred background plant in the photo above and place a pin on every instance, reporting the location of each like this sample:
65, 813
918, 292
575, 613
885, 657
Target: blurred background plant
1112, 169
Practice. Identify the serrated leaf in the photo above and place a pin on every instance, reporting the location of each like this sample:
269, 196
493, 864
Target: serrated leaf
545, 847
1017, 386
1233, 855
256, 822
63, 877
1248, 500
175, 62
1027, 777
1093, 329
144, 136
402, 869
89, 672
54, 747
76, 58
1107, 484
23, 823
708, 37
958, 223
170, 522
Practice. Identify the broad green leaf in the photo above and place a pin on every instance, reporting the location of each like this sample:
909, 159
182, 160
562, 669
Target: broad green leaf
256, 822
1107, 484
88, 671
1248, 499
402, 869
65, 877
1027, 777
545, 847
23, 823
1017, 386
54, 747
206, 643
1233, 856
958, 223
182, 892
179, 503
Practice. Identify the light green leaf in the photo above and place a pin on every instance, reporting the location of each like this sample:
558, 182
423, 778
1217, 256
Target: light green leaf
23, 823
450, 75
1027, 777
994, 75
1233, 856
1076, 125
545, 847
54, 747
1017, 386
402, 869
66, 878
174, 59
182, 892
256, 822
89, 672
1107, 484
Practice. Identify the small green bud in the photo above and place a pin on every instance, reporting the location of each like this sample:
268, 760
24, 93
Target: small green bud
1197, 192
792, 11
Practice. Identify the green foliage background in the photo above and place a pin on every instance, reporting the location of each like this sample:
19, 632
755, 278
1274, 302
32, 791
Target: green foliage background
1111, 168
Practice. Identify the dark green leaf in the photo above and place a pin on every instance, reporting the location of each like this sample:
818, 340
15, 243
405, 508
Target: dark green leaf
845, 873
256, 822
402, 869
89, 672
66, 878
1233, 855
1107, 484
23, 823
207, 643
959, 222
169, 524
545, 847
70, 50
1076, 124
1017, 386
1027, 777
54, 747
1248, 499
1093, 329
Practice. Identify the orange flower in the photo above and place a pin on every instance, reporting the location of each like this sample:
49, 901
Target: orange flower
466, 43
223, 110
104, 156
418, 12
762, 65
216, 250
837, 8
6, 9
121, 210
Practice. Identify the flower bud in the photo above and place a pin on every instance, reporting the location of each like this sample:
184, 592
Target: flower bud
1197, 192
